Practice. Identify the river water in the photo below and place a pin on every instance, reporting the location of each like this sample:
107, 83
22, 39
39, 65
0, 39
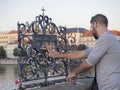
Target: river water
8, 75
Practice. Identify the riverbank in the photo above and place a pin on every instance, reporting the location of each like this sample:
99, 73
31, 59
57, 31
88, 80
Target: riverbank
8, 61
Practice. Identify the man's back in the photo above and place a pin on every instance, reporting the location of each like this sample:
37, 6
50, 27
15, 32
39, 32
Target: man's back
106, 56
108, 69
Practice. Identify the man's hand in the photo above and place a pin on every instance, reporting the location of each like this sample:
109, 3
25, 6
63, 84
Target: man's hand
51, 53
72, 78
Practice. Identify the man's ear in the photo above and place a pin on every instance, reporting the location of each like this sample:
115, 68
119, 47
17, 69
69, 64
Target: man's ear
95, 24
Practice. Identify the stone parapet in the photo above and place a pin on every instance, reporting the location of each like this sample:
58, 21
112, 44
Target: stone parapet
81, 84
6, 61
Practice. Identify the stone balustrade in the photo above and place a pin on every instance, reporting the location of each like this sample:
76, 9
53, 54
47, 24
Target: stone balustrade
81, 84
8, 61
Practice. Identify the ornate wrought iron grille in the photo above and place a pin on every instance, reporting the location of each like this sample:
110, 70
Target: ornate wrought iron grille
36, 69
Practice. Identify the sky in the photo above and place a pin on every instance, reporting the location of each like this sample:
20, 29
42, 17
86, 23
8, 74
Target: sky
69, 13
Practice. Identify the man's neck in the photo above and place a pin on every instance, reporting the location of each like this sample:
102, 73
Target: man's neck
102, 31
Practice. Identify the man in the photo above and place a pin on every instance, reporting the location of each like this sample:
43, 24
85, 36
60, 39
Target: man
105, 55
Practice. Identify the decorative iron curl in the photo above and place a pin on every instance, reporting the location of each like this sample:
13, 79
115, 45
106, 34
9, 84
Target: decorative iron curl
36, 68
34, 63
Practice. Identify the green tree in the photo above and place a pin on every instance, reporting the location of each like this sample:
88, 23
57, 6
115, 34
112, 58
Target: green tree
15, 52
2, 52
81, 47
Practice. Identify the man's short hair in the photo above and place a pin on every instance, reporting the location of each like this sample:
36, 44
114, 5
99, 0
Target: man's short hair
100, 18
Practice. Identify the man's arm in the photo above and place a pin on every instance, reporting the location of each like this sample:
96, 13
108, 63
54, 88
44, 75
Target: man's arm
68, 55
82, 68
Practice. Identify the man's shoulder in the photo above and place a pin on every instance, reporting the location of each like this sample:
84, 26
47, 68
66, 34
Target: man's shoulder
107, 36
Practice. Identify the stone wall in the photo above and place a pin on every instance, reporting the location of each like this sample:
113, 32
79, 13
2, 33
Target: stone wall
8, 61
81, 84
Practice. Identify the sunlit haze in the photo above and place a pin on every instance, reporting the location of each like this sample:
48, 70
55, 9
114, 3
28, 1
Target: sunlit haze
69, 13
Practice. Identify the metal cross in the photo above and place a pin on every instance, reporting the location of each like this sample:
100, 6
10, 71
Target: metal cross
43, 10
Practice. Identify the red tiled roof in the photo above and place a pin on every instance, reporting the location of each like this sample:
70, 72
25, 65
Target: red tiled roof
115, 32
13, 32
87, 33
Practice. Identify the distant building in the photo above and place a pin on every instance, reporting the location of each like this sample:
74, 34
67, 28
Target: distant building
81, 36
6, 38
116, 33
75, 33
89, 40
9, 50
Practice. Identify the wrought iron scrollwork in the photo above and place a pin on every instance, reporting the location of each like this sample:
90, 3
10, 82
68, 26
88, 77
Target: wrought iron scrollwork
36, 68
34, 63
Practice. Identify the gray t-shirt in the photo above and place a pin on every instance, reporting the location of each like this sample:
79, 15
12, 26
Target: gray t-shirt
106, 56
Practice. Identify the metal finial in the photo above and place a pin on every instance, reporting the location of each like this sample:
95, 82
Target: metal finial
43, 10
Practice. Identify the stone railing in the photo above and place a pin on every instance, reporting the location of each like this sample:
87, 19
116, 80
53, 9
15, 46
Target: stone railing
8, 61
81, 84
